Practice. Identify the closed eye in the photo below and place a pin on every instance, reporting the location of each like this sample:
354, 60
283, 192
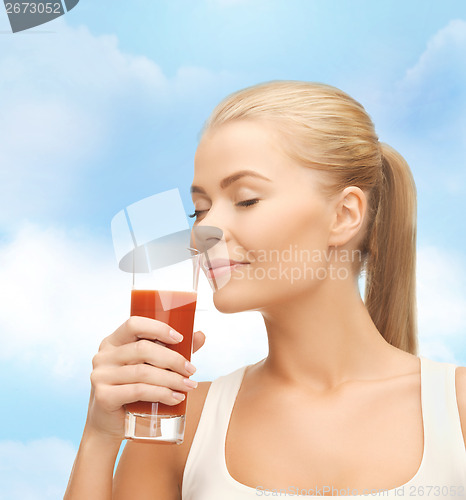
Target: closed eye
196, 213
245, 203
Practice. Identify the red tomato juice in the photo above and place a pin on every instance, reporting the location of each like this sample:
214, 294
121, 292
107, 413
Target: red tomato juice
177, 311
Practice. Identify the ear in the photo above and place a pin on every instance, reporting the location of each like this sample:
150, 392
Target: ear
348, 216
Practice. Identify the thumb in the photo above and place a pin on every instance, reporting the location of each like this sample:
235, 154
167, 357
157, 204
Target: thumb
198, 340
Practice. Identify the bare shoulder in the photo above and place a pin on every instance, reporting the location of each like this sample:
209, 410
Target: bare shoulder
144, 468
461, 397
195, 405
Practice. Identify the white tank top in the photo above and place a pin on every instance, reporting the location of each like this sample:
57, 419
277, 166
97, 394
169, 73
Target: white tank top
442, 473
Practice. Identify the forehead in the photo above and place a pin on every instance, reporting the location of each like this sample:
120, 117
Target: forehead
250, 145
239, 144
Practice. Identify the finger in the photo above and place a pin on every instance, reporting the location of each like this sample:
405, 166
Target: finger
198, 340
142, 373
113, 397
138, 327
144, 351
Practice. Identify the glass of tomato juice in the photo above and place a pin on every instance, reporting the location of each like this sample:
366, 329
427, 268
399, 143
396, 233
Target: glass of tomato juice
167, 294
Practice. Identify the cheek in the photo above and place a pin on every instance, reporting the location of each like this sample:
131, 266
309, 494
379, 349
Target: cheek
282, 252
300, 228
281, 246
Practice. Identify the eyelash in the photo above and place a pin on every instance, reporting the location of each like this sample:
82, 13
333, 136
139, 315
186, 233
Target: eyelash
245, 203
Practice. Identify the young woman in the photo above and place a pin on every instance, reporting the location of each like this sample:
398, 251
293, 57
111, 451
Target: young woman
307, 198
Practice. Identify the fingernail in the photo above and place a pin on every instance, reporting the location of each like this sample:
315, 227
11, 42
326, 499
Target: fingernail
190, 368
178, 395
175, 335
190, 383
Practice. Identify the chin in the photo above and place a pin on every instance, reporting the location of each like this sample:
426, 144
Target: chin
230, 301
228, 306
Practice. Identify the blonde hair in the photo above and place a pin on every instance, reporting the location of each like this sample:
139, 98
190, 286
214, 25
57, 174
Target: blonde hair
327, 130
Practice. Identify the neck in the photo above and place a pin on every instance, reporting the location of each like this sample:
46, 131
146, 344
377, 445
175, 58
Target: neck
324, 339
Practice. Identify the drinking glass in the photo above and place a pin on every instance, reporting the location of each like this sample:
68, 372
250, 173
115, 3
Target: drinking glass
151, 238
169, 295
154, 243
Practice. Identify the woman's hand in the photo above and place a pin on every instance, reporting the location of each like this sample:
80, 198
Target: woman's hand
131, 366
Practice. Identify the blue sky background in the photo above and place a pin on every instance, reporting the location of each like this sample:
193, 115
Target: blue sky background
103, 107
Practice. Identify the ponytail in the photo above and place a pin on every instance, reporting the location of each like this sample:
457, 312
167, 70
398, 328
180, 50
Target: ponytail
390, 292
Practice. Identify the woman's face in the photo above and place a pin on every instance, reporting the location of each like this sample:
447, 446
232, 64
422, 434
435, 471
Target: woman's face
274, 219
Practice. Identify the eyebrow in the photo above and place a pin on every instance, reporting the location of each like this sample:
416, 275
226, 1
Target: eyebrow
231, 179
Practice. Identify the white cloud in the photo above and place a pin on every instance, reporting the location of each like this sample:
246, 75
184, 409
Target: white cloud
434, 86
441, 294
61, 294
56, 97
72, 62
68, 99
430, 104
37, 470
433, 91
423, 114
442, 63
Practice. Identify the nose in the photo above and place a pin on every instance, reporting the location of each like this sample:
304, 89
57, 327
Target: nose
216, 217
205, 237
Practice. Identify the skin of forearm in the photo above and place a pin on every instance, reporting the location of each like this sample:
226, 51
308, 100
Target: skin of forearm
92, 474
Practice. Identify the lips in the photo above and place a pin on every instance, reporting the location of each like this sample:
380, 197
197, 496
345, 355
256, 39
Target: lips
220, 267
216, 263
